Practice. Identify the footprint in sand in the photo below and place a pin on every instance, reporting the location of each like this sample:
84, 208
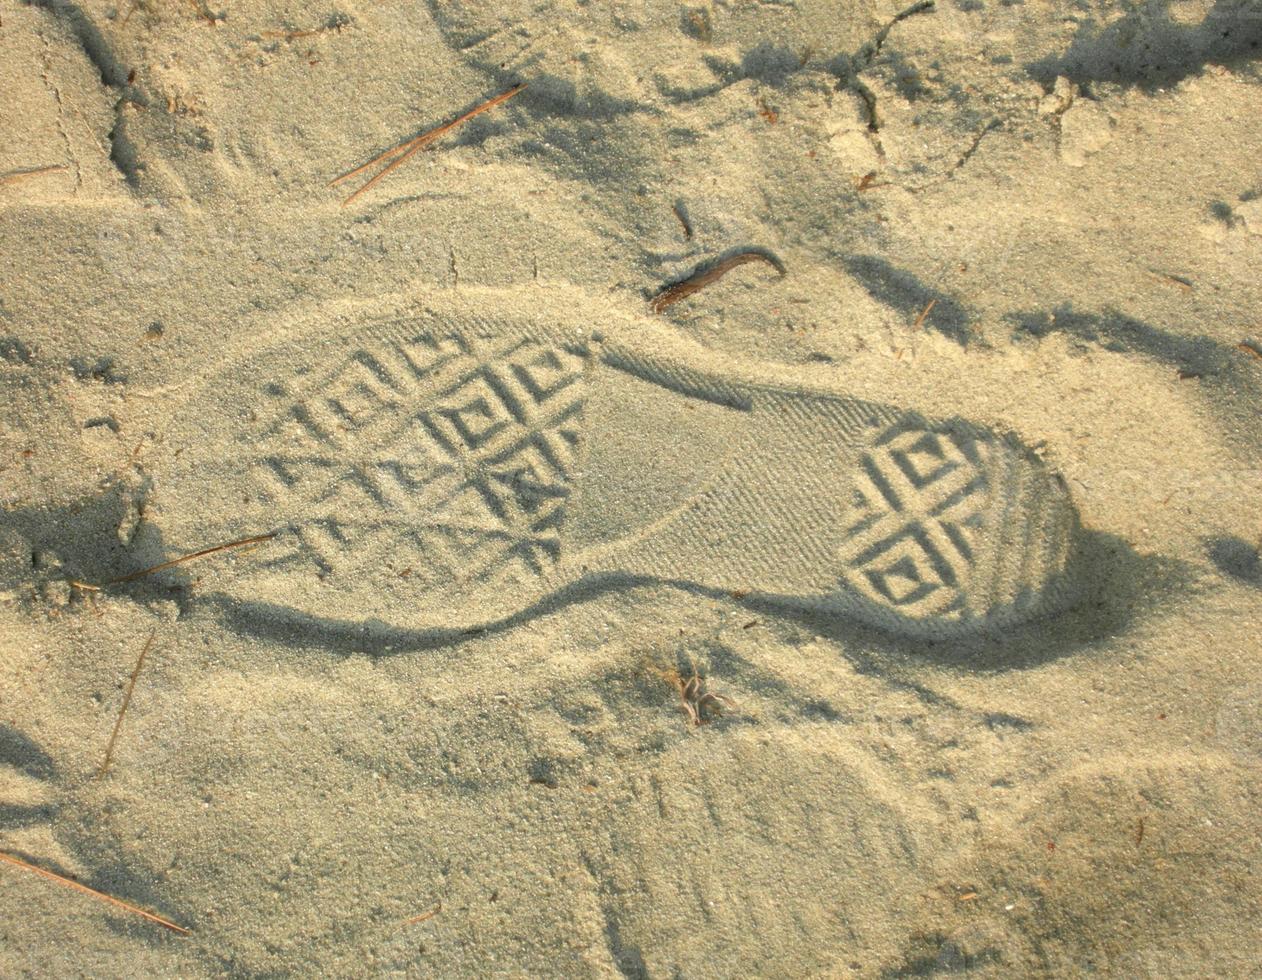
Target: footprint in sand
433, 468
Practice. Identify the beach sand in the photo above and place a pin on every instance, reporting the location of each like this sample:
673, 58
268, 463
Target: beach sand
1022, 240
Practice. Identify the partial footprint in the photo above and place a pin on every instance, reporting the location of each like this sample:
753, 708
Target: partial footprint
452, 462
711, 849
1159, 858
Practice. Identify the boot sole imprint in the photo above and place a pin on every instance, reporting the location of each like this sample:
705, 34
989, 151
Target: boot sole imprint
434, 468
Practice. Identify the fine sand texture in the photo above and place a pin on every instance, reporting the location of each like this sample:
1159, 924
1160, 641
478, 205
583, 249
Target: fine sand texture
638, 489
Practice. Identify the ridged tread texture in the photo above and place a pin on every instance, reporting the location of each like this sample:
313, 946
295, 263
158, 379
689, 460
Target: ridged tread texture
447, 451
453, 448
953, 524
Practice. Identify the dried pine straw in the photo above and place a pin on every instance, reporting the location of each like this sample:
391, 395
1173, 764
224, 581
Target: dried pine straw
131, 686
398, 154
131, 577
71, 883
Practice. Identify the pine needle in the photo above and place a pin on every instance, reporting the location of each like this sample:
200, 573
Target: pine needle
924, 314
70, 883
131, 686
398, 154
14, 176
258, 538
424, 915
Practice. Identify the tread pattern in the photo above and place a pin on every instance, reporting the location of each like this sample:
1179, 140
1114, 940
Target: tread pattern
919, 527
461, 449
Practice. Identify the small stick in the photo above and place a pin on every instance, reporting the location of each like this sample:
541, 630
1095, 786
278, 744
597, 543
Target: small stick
71, 883
424, 915
702, 277
177, 561
869, 182
924, 315
1186, 285
404, 150
14, 176
1247, 348
418, 145
131, 686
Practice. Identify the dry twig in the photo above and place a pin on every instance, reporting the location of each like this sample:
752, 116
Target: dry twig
333, 24
704, 275
1178, 282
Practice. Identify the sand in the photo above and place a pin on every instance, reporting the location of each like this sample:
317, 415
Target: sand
1018, 735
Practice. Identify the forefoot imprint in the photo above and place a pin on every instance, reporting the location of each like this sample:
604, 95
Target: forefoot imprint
434, 467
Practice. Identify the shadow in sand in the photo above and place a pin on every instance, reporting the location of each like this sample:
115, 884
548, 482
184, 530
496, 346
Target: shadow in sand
82, 539
20, 752
1148, 49
1231, 380
1238, 558
899, 289
1108, 587
1112, 585
375, 638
